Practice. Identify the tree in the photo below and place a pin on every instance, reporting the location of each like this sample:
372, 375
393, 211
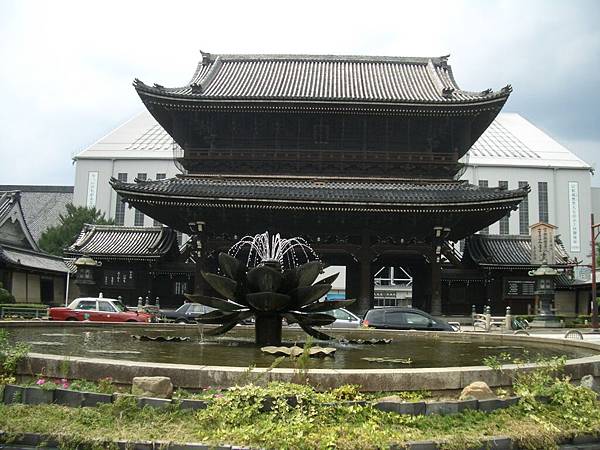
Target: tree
55, 239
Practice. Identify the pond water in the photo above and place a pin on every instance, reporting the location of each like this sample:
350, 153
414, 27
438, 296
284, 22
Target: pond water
237, 348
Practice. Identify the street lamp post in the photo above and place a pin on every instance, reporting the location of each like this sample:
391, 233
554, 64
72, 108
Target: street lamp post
595, 233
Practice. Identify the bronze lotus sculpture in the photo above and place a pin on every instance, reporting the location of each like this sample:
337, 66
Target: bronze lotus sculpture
269, 293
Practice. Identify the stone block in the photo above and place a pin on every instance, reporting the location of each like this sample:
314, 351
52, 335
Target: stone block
588, 381
192, 404
153, 402
93, 399
442, 408
189, 446
479, 390
12, 394
491, 404
65, 397
467, 404
422, 445
497, 443
512, 401
37, 396
155, 387
400, 407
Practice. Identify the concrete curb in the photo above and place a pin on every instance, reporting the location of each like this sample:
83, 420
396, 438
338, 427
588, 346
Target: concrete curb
36, 440
35, 396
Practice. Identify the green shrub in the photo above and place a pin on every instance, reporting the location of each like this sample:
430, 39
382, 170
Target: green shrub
6, 296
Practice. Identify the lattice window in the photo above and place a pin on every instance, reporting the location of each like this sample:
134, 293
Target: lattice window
524, 212
543, 201
138, 220
504, 222
484, 184
120, 207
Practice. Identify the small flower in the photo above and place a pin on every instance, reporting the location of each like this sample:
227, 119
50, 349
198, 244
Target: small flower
40, 381
218, 396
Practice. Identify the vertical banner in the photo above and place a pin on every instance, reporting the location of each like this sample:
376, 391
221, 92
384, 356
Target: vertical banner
92, 189
574, 216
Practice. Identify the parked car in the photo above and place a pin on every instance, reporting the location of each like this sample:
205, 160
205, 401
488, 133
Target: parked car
398, 318
98, 310
343, 319
186, 313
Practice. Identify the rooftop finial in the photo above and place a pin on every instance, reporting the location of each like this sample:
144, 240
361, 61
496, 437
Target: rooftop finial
206, 57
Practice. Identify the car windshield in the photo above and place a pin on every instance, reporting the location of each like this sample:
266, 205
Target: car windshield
120, 306
183, 308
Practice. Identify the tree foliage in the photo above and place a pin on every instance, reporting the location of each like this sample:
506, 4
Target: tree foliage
55, 239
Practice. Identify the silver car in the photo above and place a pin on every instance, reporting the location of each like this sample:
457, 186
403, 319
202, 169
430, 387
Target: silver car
343, 319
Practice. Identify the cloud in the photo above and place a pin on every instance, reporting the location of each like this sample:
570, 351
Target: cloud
71, 63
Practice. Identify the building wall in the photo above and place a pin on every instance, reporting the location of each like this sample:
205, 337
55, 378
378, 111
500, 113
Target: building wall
106, 197
564, 303
558, 199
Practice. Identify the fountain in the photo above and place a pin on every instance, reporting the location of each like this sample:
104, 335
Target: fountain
271, 286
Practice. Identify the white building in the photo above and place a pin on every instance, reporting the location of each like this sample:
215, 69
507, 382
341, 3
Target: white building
513, 151
510, 152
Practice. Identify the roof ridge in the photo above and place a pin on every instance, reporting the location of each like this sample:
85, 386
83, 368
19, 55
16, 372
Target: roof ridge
212, 57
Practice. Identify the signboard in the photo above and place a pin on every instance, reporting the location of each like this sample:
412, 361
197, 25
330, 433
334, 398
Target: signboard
92, 189
119, 279
519, 288
574, 216
542, 243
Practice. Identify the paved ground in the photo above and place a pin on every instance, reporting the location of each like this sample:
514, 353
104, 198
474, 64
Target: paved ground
556, 333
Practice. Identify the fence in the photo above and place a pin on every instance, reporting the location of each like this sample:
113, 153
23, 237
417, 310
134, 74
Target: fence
486, 321
25, 313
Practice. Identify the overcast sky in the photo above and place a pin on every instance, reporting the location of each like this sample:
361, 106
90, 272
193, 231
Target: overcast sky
66, 67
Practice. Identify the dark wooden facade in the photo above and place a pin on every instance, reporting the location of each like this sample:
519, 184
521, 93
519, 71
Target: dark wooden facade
134, 262
359, 155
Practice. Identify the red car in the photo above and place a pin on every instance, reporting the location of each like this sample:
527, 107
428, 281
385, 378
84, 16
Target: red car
98, 310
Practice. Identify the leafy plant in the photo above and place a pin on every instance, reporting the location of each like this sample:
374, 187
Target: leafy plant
10, 354
6, 296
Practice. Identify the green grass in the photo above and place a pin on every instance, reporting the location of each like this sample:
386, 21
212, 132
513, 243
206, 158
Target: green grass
235, 417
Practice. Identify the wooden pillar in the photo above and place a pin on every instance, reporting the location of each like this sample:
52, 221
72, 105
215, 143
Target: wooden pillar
436, 286
201, 244
365, 289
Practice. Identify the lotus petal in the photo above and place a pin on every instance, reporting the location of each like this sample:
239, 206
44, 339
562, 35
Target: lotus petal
308, 273
265, 279
308, 294
223, 285
217, 317
232, 267
316, 334
328, 305
289, 280
214, 302
321, 351
268, 301
328, 280
313, 319
222, 329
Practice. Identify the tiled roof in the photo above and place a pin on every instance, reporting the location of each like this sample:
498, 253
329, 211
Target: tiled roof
326, 191
42, 205
325, 78
10, 209
110, 241
508, 251
32, 260
7, 201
